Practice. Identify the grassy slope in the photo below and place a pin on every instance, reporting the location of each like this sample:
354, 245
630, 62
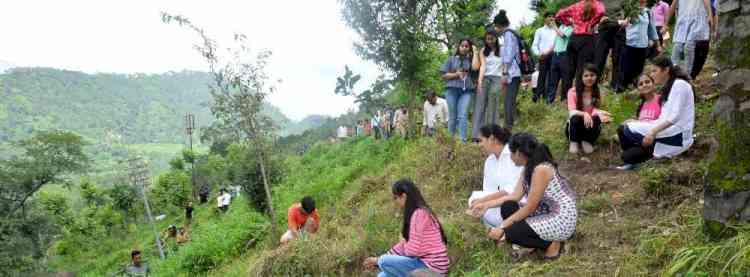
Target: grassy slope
214, 239
631, 223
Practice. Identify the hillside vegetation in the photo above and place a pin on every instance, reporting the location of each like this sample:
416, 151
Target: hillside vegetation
112, 108
642, 223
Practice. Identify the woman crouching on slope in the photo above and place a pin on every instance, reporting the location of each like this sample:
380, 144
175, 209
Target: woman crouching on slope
423, 245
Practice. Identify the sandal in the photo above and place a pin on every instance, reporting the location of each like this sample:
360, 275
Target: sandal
522, 253
559, 253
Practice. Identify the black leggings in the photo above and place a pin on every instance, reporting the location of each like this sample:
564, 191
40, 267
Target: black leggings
576, 130
701, 54
520, 232
632, 150
631, 66
580, 52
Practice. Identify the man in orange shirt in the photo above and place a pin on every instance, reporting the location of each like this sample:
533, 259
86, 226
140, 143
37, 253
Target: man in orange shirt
302, 218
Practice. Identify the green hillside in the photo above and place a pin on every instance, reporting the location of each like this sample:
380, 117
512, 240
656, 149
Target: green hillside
106, 108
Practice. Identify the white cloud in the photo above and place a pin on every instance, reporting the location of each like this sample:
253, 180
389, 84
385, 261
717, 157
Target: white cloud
310, 42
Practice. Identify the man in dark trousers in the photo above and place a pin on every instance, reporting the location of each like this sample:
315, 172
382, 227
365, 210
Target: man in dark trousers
610, 37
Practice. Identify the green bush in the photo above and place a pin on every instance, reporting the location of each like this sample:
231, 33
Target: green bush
215, 241
172, 190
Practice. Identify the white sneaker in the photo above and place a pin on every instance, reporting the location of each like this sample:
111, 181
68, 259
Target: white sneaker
573, 148
587, 147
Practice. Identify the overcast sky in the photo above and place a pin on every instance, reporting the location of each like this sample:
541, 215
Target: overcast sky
309, 39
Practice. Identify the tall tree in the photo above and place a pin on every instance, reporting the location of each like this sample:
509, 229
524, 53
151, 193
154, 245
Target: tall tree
46, 158
239, 89
370, 99
404, 36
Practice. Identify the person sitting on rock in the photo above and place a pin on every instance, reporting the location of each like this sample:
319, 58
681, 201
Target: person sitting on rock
549, 217
500, 173
423, 245
302, 218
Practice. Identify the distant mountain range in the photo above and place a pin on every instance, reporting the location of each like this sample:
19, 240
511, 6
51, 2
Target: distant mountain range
134, 108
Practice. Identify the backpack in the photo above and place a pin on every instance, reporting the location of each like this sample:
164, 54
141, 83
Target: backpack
526, 64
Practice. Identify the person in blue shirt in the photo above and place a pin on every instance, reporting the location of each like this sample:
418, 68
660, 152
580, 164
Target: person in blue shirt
640, 35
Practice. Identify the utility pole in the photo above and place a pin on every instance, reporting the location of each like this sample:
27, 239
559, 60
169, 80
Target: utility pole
139, 177
189, 127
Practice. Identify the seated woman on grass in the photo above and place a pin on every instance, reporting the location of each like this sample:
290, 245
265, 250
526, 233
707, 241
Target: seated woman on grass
648, 111
672, 132
423, 245
585, 117
549, 217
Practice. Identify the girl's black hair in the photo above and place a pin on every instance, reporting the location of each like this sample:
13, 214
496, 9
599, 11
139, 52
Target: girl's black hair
458, 48
414, 200
537, 153
470, 54
501, 134
487, 48
643, 101
675, 72
595, 94
501, 19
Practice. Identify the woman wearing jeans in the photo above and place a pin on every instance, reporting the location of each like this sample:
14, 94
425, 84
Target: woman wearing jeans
488, 93
459, 86
423, 245
511, 71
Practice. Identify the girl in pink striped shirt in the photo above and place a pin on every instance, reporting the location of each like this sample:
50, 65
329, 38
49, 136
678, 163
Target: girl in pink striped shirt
423, 245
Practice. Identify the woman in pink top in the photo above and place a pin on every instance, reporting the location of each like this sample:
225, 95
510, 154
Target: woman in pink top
423, 245
633, 152
585, 117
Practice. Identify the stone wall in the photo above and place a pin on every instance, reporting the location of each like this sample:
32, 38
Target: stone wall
722, 206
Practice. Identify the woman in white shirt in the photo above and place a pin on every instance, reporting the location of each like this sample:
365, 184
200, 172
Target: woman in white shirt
486, 107
672, 133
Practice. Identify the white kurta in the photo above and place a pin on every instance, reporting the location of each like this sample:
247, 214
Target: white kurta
680, 110
499, 174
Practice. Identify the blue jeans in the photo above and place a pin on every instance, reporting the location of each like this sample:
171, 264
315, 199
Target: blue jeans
458, 107
394, 265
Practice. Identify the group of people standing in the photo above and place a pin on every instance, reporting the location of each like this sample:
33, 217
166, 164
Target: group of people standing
525, 200
572, 50
382, 124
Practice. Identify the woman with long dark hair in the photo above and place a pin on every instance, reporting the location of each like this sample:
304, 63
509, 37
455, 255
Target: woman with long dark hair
459, 85
672, 133
585, 117
649, 109
423, 244
488, 93
549, 216
583, 16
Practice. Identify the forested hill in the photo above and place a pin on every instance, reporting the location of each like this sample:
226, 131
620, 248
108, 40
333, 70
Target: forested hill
132, 108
